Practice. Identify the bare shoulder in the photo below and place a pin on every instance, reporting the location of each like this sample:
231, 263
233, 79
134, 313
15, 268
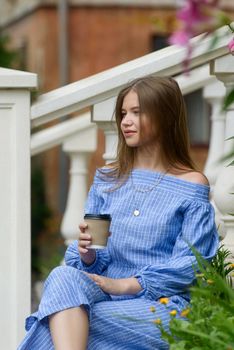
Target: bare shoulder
196, 177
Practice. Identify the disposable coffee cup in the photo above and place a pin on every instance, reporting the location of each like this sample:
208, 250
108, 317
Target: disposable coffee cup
98, 228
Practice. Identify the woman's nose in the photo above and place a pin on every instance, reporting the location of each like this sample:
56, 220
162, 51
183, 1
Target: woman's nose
127, 120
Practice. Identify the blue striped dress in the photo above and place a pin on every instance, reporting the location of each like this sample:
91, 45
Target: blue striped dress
153, 247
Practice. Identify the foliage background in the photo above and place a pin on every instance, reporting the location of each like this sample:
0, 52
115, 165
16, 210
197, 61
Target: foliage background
209, 323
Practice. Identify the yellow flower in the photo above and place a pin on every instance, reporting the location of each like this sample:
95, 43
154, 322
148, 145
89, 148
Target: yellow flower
173, 312
185, 313
210, 281
152, 309
164, 301
157, 321
231, 265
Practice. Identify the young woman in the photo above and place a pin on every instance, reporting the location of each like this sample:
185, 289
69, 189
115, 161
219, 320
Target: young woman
159, 207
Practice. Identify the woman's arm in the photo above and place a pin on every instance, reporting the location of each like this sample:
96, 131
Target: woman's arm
177, 274
72, 258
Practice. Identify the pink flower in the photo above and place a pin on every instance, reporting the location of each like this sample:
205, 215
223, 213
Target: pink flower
192, 12
196, 13
231, 46
180, 37
194, 17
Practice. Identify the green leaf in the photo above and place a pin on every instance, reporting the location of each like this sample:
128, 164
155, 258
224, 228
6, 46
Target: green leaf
229, 138
231, 164
224, 19
228, 100
213, 42
179, 346
225, 157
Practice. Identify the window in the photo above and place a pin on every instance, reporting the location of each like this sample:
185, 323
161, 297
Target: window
198, 118
158, 42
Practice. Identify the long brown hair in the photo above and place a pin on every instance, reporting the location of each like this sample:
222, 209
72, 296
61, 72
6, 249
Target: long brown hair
161, 100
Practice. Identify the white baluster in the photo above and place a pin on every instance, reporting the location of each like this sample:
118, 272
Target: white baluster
79, 148
15, 237
223, 68
214, 94
111, 141
103, 115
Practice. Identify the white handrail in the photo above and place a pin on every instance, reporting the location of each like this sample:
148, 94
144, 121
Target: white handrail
57, 134
99, 87
197, 79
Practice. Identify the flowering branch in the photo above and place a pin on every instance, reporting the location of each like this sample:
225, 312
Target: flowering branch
231, 43
196, 17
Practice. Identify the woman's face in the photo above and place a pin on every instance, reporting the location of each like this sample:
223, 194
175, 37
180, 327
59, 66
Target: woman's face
136, 127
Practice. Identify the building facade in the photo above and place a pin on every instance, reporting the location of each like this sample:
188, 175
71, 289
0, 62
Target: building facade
95, 35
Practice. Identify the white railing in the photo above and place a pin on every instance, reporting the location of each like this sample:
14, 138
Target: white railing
97, 92
77, 128
55, 135
100, 87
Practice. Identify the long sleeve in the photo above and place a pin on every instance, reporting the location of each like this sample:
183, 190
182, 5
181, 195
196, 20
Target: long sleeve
72, 258
198, 230
93, 205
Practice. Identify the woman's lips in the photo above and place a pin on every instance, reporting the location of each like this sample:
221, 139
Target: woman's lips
129, 133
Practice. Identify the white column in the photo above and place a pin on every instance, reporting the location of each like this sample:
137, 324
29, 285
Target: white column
223, 68
79, 147
103, 115
214, 94
15, 242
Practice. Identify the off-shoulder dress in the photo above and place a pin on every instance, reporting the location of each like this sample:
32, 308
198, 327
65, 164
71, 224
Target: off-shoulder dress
154, 247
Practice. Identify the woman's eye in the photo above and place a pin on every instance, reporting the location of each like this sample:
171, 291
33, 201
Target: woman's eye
136, 112
123, 115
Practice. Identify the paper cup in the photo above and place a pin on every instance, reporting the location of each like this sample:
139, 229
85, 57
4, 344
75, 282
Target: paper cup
98, 228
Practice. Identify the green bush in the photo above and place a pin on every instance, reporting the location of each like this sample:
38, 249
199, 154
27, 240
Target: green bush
47, 244
209, 321
8, 56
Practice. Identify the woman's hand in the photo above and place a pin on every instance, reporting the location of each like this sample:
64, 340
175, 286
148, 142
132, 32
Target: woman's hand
118, 286
88, 256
